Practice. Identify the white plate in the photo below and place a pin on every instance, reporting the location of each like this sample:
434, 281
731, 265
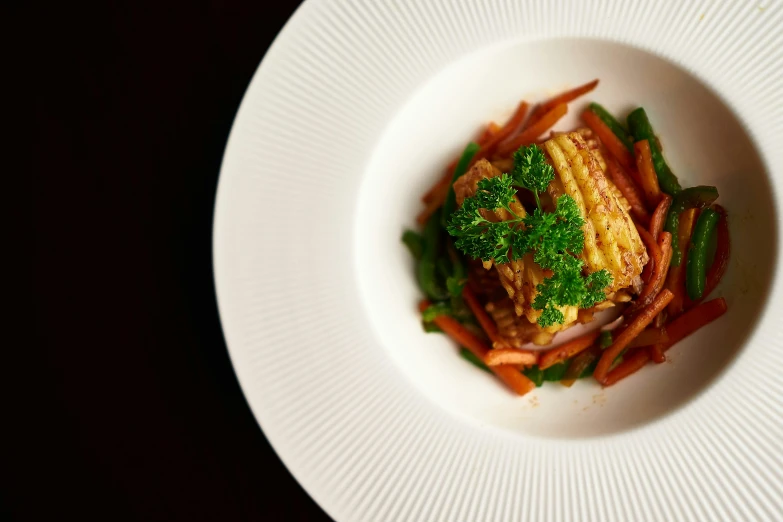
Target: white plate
353, 113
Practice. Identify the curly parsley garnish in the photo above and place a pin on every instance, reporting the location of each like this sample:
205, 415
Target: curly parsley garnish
554, 238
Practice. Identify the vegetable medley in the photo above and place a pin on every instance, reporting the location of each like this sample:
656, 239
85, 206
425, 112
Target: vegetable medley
525, 237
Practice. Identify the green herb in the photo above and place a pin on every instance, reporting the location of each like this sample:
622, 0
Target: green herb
554, 238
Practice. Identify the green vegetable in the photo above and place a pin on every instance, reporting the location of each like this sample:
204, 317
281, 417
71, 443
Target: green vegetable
471, 358
431, 327
415, 243
605, 340
640, 127
425, 271
434, 310
556, 372
554, 238
590, 369
696, 270
535, 374
462, 166
613, 125
693, 197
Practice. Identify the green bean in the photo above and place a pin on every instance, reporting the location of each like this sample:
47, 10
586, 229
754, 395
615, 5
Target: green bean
426, 270
471, 358
556, 372
693, 197
535, 374
696, 269
614, 125
640, 127
462, 166
415, 243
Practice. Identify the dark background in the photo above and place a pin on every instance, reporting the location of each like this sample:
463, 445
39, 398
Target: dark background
131, 409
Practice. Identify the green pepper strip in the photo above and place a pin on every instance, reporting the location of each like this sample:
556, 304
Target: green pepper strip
696, 270
614, 125
462, 166
556, 372
693, 197
426, 270
414, 242
640, 127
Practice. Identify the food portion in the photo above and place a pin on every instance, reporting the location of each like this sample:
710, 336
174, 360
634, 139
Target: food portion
524, 237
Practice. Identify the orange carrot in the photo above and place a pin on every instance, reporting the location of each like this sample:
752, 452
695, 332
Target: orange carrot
490, 130
634, 328
629, 366
432, 206
653, 252
656, 351
658, 278
499, 356
563, 97
649, 337
647, 177
627, 186
511, 376
676, 280
486, 322
529, 135
508, 129
694, 319
514, 379
659, 216
612, 143
567, 349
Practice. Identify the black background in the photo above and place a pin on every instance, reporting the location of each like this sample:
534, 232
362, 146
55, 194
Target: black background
131, 409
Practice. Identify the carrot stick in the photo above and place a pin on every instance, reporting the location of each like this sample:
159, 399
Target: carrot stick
508, 129
649, 337
653, 252
676, 280
634, 328
484, 319
659, 216
647, 176
499, 356
658, 278
529, 135
627, 186
511, 376
563, 97
433, 205
694, 319
612, 143
490, 130
656, 351
629, 366
567, 350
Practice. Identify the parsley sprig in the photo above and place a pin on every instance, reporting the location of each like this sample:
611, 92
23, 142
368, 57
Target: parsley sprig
555, 238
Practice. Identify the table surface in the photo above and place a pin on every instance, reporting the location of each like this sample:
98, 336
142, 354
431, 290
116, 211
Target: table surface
128, 405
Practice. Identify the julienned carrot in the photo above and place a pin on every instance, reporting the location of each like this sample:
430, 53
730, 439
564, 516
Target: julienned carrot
511, 376
563, 97
634, 328
629, 366
511, 126
529, 135
609, 139
649, 337
499, 356
490, 130
658, 278
653, 252
656, 351
676, 280
627, 186
694, 319
648, 179
659, 216
484, 319
722, 252
567, 350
